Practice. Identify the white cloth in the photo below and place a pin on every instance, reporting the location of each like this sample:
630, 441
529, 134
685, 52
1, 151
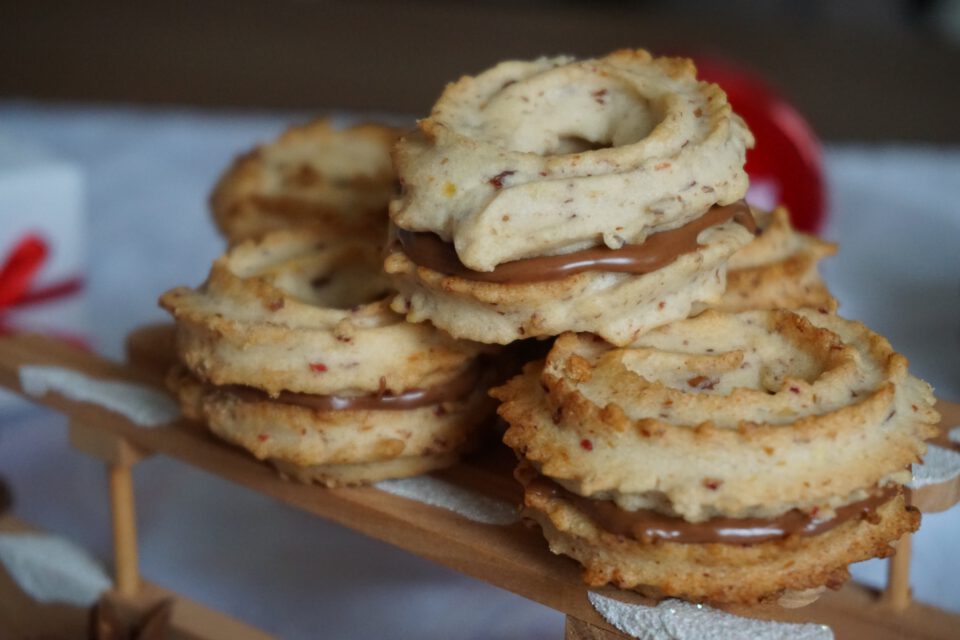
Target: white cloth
149, 172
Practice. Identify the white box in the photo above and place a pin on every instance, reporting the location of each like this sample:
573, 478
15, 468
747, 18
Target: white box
43, 196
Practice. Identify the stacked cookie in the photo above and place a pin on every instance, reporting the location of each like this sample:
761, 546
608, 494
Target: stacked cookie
289, 349
735, 456
703, 426
778, 269
555, 195
313, 176
727, 457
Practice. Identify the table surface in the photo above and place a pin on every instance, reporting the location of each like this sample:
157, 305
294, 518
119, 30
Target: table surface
893, 210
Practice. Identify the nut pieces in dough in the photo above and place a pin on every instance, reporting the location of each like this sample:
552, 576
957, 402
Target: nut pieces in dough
293, 315
297, 312
554, 156
781, 411
550, 156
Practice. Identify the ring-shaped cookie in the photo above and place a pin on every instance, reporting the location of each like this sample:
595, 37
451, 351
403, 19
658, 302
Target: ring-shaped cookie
297, 312
818, 407
538, 158
313, 175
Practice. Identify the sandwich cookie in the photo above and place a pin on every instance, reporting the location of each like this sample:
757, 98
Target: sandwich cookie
733, 458
540, 197
289, 349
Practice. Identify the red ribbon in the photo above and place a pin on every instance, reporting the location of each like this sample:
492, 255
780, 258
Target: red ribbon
18, 272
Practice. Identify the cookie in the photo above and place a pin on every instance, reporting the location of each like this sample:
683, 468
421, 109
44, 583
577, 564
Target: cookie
774, 442
289, 349
313, 175
600, 195
778, 269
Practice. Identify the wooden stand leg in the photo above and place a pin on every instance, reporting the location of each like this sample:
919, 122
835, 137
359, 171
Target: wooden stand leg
897, 593
119, 456
579, 630
122, 512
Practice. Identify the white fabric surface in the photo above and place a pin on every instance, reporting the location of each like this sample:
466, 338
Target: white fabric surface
893, 210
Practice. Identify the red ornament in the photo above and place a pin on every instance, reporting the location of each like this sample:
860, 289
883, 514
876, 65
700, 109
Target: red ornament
786, 157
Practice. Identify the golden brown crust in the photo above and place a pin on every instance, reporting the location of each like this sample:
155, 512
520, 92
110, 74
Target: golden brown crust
336, 180
780, 409
293, 312
746, 415
719, 573
778, 269
549, 156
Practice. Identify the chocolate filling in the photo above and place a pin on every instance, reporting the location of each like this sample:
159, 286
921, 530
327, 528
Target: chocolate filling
660, 249
646, 525
409, 399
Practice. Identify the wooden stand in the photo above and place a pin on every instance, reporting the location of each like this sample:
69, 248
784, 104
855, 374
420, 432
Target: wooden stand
579, 630
512, 557
189, 620
897, 593
119, 456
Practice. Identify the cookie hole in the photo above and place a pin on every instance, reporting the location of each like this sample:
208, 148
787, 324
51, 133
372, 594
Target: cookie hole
343, 277
577, 144
546, 116
349, 287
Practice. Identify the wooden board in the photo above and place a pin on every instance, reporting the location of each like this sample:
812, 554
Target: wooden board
511, 557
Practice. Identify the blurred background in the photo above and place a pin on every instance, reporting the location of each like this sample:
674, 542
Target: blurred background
858, 70
116, 119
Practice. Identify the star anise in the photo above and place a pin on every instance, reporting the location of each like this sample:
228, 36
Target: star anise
106, 623
6, 497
